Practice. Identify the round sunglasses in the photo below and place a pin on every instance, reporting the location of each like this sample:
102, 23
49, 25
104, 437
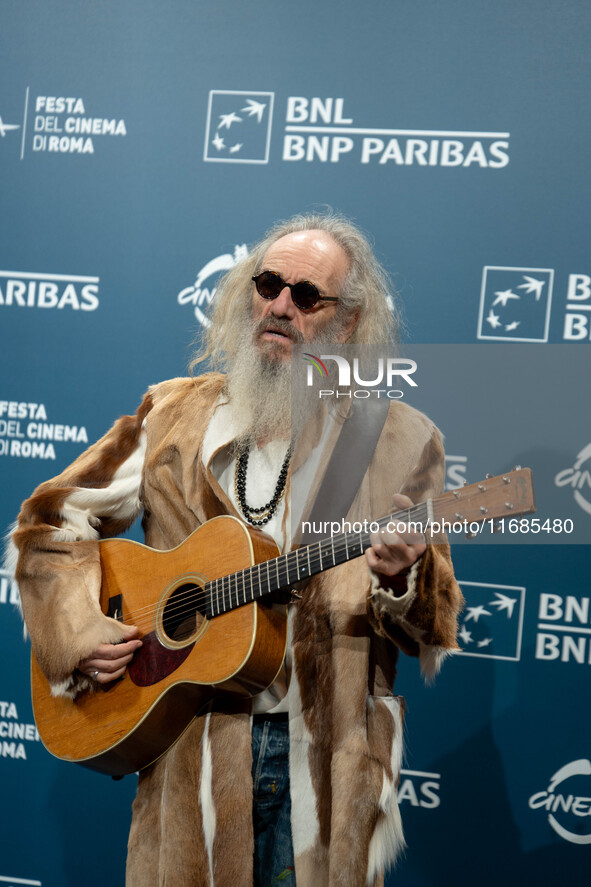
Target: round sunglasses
304, 294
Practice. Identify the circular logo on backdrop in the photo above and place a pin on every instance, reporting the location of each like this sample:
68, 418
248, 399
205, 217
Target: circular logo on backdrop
578, 478
568, 813
201, 293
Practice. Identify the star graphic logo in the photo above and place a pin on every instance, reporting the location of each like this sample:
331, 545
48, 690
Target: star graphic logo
532, 285
465, 636
515, 304
504, 602
503, 298
473, 614
255, 108
226, 120
493, 319
492, 623
238, 128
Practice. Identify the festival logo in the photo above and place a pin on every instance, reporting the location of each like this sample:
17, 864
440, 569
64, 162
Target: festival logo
61, 125
567, 802
201, 296
238, 126
14, 733
492, 622
578, 479
27, 433
515, 304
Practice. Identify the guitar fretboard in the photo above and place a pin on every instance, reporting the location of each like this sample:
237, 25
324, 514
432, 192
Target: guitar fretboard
246, 586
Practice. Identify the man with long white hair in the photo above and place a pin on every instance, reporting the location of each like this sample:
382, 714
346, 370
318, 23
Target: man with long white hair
299, 783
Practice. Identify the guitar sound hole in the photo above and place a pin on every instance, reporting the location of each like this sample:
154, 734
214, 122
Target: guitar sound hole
184, 612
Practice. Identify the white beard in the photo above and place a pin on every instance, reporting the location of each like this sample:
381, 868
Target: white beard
259, 385
260, 393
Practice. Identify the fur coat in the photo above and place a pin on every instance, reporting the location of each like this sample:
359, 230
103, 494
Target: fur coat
192, 817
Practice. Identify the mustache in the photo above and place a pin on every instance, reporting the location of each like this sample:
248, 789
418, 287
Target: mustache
281, 325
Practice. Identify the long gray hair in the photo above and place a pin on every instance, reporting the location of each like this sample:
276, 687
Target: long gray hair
366, 289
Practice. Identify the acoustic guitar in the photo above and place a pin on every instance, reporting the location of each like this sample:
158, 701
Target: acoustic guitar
207, 627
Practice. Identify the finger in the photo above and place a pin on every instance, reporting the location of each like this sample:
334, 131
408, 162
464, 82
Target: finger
391, 560
401, 501
402, 536
406, 554
109, 659
373, 560
383, 536
89, 666
103, 677
386, 566
114, 651
406, 536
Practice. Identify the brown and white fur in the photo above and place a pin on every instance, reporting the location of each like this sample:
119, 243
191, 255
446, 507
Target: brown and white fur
192, 821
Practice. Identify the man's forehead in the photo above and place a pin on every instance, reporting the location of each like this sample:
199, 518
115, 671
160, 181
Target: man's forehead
308, 245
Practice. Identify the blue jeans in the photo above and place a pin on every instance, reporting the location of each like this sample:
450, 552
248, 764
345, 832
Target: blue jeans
273, 851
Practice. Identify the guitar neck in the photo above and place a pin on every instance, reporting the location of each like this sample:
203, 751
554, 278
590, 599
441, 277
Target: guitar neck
248, 585
494, 497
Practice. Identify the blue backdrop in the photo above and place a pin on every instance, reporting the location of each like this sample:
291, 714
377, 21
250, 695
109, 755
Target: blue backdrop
143, 147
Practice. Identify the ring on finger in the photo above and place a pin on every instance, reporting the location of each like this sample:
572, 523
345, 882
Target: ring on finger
95, 675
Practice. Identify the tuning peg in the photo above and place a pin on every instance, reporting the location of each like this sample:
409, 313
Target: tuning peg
470, 535
488, 475
497, 526
516, 468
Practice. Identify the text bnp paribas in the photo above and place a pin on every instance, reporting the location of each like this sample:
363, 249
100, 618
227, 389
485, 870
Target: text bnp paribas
317, 129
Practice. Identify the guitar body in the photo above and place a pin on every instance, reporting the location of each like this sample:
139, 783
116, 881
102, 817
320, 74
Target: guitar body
186, 659
198, 643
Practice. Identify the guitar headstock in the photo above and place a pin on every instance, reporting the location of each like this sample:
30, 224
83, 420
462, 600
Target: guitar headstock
506, 495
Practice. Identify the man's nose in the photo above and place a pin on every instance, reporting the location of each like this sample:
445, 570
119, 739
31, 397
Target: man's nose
283, 305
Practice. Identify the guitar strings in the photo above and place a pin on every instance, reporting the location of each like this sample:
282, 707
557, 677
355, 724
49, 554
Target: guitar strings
317, 552
324, 547
331, 547
198, 594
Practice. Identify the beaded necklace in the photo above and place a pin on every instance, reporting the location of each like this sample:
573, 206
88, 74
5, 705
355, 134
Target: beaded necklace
258, 517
